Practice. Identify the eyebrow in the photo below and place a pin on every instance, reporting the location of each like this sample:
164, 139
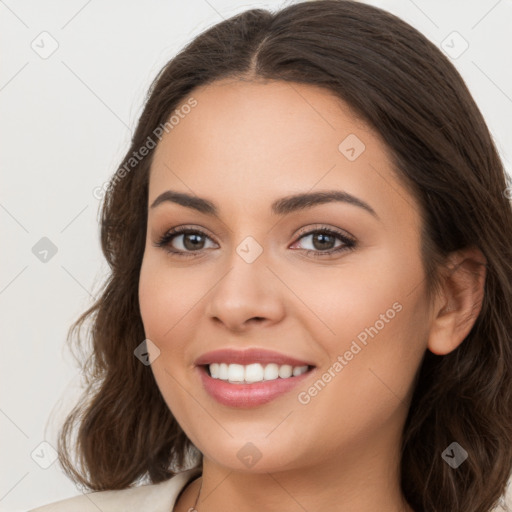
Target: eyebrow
282, 206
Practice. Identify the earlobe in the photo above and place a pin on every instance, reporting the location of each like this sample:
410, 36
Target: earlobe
463, 290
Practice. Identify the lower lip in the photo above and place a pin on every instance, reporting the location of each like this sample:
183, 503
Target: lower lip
248, 395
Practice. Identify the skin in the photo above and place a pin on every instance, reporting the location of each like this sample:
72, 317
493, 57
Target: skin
245, 144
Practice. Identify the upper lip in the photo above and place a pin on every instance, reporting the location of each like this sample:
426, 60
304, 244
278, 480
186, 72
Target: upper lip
248, 356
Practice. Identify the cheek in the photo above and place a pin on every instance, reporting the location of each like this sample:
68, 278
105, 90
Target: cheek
171, 304
372, 315
161, 313
164, 301
165, 297
368, 376
151, 298
366, 289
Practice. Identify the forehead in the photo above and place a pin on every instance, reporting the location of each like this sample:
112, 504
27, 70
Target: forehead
251, 142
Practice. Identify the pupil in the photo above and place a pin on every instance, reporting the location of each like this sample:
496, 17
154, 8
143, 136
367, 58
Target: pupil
193, 245
323, 237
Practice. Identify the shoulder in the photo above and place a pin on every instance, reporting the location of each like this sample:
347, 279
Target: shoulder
159, 497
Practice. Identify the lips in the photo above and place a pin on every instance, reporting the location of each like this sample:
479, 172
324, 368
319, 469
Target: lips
245, 394
249, 395
249, 356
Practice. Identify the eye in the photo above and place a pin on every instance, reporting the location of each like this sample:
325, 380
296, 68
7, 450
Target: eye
322, 240
193, 241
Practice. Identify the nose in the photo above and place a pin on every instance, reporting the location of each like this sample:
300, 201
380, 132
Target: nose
247, 294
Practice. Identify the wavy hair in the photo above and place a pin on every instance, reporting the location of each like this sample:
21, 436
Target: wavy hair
121, 430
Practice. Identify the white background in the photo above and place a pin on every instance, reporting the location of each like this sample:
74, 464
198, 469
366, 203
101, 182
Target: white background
66, 122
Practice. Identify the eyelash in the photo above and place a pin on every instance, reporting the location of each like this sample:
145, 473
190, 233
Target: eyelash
164, 241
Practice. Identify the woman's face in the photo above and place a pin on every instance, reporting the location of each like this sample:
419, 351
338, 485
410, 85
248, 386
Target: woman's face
261, 274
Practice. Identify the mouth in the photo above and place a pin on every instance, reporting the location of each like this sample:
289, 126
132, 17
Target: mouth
255, 372
250, 377
242, 393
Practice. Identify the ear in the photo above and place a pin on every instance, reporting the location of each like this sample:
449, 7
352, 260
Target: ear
461, 300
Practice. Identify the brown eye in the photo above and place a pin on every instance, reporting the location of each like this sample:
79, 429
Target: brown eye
323, 242
192, 241
183, 241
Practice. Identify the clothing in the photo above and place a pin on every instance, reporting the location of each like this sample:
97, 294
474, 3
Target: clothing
148, 498
159, 497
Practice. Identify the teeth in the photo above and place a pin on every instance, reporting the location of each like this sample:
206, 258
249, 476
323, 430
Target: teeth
254, 372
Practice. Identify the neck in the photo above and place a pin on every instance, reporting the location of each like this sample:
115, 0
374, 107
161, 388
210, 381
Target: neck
363, 478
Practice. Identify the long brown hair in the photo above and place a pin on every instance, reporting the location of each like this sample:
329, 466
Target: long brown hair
404, 87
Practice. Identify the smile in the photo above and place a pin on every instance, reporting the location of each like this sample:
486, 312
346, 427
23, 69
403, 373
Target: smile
243, 394
256, 372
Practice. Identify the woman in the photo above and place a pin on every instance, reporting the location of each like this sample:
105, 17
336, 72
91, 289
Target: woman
310, 245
